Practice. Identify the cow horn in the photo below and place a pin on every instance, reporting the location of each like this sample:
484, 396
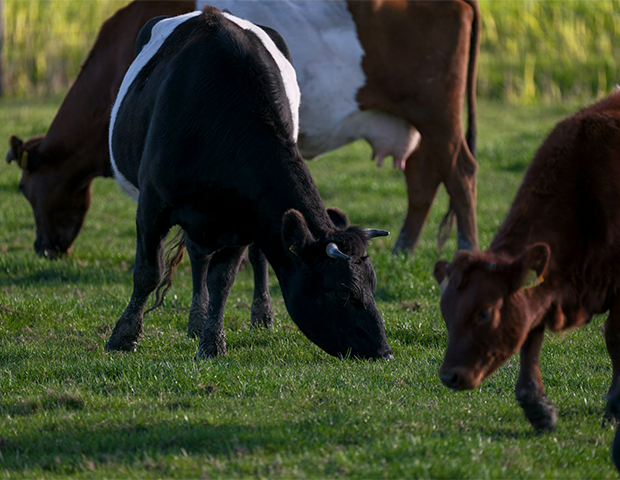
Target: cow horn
333, 251
374, 232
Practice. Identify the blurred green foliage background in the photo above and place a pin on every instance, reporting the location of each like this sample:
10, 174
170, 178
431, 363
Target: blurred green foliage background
531, 50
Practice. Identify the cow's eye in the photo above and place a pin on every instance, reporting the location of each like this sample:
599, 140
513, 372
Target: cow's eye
343, 294
485, 315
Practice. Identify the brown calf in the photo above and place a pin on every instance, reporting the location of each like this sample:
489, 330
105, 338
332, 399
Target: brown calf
58, 168
553, 264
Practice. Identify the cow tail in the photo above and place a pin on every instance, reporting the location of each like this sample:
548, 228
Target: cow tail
472, 69
445, 227
174, 256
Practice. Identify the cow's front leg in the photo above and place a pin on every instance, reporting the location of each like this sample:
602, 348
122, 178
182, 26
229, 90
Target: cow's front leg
423, 180
262, 313
223, 268
612, 341
530, 390
148, 271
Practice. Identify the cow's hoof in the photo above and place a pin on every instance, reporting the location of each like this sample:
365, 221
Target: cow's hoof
404, 245
206, 352
538, 410
262, 314
116, 344
194, 328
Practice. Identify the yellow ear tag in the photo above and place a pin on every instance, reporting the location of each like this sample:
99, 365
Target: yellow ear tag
532, 280
292, 249
23, 161
444, 284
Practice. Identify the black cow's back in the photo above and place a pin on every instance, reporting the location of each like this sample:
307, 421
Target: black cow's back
177, 114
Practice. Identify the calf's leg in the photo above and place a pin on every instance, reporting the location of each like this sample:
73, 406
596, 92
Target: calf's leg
223, 268
530, 390
148, 271
262, 313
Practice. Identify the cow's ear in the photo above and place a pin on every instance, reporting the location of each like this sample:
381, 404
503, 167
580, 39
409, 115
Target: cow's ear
26, 155
533, 265
295, 233
15, 148
338, 218
442, 272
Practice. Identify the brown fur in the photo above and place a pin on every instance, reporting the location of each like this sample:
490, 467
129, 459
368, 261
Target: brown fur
564, 224
75, 149
423, 73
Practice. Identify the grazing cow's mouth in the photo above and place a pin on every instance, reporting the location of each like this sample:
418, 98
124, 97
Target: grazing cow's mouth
43, 247
458, 379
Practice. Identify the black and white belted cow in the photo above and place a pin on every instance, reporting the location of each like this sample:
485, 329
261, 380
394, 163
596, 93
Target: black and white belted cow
203, 134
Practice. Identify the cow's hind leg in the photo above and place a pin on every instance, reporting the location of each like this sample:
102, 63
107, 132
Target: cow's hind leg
148, 271
200, 296
423, 179
223, 268
612, 341
530, 390
262, 313
461, 186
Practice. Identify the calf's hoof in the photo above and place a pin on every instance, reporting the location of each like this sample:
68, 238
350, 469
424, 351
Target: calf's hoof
538, 410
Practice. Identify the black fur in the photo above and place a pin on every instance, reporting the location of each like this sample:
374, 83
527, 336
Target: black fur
206, 134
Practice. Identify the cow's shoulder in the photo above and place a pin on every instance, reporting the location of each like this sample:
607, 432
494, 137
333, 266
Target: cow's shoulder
145, 33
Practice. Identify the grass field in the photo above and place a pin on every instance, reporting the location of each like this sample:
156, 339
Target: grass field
531, 50
276, 406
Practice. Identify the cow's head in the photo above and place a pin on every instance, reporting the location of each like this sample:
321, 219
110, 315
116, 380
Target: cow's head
59, 197
485, 305
328, 286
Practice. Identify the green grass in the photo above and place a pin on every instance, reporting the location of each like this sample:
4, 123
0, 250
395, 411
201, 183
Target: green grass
276, 406
531, 50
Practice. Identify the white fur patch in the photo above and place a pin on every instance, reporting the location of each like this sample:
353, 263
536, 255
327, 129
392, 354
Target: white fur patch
160, 32
327, 56
287, 71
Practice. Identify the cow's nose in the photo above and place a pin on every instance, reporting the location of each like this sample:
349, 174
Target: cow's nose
450, 380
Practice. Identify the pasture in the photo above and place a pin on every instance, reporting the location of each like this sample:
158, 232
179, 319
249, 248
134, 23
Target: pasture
277, 406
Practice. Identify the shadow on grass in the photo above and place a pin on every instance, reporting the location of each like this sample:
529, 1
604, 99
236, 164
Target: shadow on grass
65, 448
53, 276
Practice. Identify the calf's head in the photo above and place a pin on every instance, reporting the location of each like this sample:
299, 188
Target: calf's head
328, 286
59, 197
485, 303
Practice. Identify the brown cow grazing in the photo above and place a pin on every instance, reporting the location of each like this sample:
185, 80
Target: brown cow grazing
58, 168
553, 264
395, 73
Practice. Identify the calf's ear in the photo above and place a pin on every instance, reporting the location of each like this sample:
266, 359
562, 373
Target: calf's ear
533, 265
295, 233
338, 218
